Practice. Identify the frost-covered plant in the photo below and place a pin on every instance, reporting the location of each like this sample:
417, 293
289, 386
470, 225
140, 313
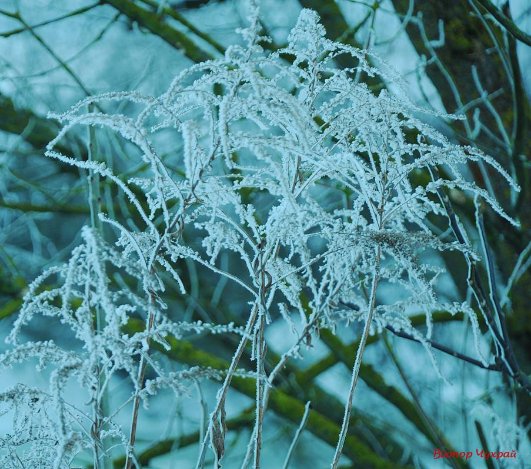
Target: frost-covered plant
306, 177
506, 437
94, 311
36, 436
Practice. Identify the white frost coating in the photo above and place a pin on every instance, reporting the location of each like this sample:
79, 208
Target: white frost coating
300, 174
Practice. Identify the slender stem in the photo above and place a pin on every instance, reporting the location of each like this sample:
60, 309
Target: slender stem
357, 362
224, 389
204, 411
297, 435
260, 351
268, 387
140, 384
484, 445
370, 314
101, 402
259, 390
447, 350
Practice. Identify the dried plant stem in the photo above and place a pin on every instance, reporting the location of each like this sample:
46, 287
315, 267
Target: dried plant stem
101, 398
222, 393
268, 387
357, 362
297, 435
260, 351
260, 390
140, 384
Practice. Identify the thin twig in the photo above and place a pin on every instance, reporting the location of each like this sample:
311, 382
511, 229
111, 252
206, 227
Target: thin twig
79, 11
493, 311
64, 65
297, 435
447, 350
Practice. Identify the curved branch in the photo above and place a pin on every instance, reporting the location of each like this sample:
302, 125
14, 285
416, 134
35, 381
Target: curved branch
506, 22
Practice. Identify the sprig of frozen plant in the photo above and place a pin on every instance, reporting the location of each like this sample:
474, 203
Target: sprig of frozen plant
38, 438
84, 285
301, 173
